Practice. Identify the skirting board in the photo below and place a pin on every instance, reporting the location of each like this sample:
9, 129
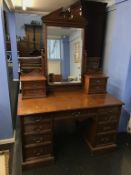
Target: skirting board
8, 141
15, 79
4, 163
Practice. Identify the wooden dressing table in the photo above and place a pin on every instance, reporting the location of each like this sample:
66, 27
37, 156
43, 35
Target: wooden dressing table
38, 117
62, 102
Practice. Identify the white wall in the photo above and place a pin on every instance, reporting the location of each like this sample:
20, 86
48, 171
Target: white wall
75, 68
22, 19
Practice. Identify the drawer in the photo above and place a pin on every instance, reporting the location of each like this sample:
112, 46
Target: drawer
98, 81
105, 139
76, 114
33, 93
111, 110
33, 85
107, 117
37, 119
39, 127
36, 152
107, 127
97, 89
37, 138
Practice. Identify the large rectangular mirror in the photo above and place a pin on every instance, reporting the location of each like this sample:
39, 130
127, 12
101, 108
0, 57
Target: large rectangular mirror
64, 54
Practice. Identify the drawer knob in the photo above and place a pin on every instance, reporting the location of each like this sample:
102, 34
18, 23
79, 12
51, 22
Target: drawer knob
38, 128
38, 119
37, 153
36, 140
76, 114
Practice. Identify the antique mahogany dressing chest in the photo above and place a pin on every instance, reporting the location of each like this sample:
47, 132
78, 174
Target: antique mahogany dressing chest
84, 100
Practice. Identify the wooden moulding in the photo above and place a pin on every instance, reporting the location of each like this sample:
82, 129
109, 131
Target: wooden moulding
71, 17
37, 162
101, 149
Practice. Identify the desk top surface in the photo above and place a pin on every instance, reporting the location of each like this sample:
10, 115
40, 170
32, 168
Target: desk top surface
62, 101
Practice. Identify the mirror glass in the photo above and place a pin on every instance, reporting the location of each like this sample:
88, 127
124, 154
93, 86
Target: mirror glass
64, 54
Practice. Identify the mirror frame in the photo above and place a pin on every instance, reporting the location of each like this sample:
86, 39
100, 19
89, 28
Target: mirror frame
71, 17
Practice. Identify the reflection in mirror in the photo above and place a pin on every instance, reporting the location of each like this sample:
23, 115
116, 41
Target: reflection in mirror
64, 52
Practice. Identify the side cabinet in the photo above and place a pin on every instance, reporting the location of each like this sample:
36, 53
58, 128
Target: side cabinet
102, 134
37, 140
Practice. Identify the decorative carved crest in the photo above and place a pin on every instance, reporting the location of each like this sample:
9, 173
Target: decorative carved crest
70, 17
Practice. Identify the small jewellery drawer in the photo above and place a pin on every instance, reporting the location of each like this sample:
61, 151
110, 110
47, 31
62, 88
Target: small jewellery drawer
106, 127
98, 81
36, 152
33, 85
37, 119
37, 138
39, 127
30, 93
104, 139
97, 89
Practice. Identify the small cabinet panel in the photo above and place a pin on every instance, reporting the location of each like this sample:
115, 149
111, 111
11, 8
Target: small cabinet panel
107, 127
38, 138
36, 152
33, 85
95, 84
33, 93
105, 139
37, 118
41, 126
108, 114
98, 81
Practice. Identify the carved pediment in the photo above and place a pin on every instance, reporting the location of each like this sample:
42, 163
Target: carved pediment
69, 17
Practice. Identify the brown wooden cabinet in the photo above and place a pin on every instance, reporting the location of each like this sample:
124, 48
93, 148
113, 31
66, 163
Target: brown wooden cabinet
33, 86
95, 84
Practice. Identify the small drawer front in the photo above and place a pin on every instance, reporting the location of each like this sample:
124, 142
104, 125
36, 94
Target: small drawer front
107, 127
107, 117
104, 139
33, 85
98, 82
108, 114
37, 119
36, 152
39, 127
77, 114
37, 139
97, 89
111, 110
33, 93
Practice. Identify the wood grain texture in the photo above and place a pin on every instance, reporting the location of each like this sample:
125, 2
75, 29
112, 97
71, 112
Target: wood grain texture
32, 77
62, 101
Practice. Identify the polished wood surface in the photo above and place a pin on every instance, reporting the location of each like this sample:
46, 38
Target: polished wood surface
32, 78
62, 101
